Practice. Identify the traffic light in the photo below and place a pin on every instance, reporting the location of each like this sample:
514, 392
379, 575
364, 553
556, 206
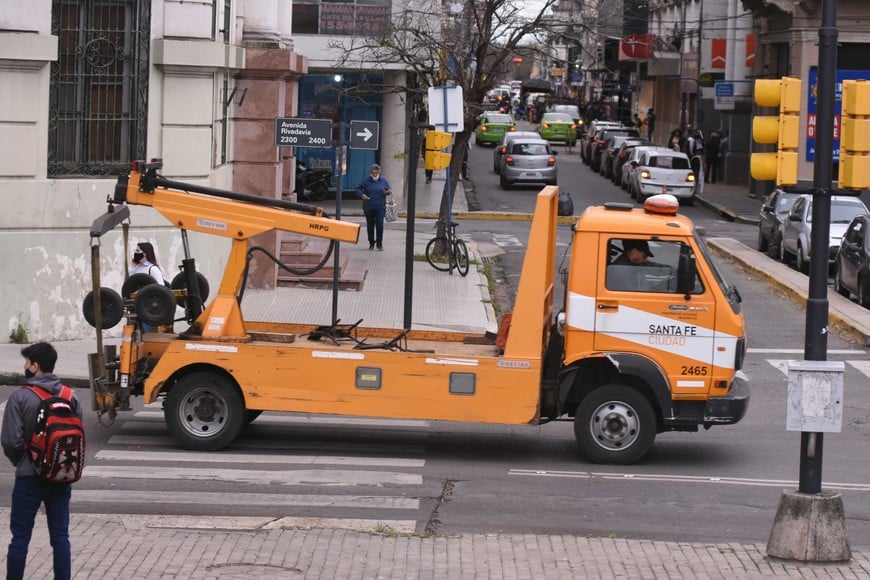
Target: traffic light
436, 143
855, 136
784, 130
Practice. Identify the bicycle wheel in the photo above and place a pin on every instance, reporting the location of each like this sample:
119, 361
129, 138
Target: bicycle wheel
437, 253
460, 256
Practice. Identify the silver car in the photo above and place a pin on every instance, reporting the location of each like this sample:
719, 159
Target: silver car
502, 147
798, 226
528, 161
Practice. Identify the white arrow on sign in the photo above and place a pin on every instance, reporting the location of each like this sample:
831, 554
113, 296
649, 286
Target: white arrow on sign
365, 134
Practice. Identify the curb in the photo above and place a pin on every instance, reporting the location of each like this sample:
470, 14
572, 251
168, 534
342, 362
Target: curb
726, 213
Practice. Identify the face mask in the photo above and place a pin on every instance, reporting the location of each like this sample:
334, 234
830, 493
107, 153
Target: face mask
375, 176
29, 374
137, 257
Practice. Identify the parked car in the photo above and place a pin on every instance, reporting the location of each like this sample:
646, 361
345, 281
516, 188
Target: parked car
593, 133
622, 155
529, 161
601, 143
852, 264
797, 229
501, 148
492, 128
664, 171
774, 212
608, 156
630, 166
558, 127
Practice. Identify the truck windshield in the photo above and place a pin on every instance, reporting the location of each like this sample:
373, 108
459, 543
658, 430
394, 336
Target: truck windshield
729, 290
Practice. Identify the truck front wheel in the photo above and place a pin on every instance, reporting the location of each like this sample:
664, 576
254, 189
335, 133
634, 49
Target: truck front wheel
614, 424
204, 411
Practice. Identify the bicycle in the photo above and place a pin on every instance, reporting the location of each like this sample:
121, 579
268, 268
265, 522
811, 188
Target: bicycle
448, 253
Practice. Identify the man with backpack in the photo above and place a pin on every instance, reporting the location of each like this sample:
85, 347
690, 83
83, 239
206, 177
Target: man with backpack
43, 437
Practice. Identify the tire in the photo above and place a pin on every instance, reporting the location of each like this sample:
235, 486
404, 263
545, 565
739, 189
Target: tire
800, 261
762, 243
135, 283
318, 192
111, 307
614, 424
204, 411
773, 246
863, 293
784, 255
460, 253
838, 284
690, 201
437, 260
180, 283
154, 305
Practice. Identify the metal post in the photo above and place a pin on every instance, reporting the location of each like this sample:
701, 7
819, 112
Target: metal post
449, 201
409, 226
816, 332
337, 249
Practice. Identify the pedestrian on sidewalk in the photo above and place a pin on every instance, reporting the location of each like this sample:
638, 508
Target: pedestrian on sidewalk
373, 191
29, 491
145, 262
711, 155
650, 123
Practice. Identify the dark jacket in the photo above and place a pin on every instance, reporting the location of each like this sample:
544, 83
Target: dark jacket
20, 417
376, 190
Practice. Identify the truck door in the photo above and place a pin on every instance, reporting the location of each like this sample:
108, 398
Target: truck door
638, 310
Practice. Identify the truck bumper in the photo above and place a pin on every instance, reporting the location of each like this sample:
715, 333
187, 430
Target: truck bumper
732, 407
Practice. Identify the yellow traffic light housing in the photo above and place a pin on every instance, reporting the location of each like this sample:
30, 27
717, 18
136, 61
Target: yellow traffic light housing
784, 130
436, 142
855, 136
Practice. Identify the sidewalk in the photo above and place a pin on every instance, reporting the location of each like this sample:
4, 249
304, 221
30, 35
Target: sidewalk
142, 546
130, 546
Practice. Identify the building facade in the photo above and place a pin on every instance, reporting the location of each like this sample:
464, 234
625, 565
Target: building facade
88, 86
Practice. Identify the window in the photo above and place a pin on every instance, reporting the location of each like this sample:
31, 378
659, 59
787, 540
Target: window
353, 17
99, 86
657, 272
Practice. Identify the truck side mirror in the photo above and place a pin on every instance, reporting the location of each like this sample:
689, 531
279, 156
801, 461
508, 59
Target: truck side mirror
686, 273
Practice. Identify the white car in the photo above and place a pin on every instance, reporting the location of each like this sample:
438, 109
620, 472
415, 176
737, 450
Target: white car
797, 228
630, 166
663, 171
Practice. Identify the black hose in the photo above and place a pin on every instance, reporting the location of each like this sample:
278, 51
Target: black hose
281, 265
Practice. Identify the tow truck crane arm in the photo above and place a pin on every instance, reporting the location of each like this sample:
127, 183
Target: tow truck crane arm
227, 214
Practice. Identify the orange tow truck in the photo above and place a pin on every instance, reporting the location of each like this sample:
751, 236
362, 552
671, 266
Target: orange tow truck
631, 351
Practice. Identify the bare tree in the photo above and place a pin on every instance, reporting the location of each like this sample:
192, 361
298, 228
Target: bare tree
461, 43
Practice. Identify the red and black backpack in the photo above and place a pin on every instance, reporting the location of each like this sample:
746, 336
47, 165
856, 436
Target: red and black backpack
57, 445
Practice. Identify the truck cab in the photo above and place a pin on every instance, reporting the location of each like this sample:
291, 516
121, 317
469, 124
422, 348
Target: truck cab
661, 339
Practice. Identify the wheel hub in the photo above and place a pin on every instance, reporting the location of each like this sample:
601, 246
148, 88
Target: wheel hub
614, 425
203, 413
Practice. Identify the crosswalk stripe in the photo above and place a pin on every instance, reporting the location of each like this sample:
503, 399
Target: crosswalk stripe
98, 496
273, 444
247, 458
801, 351
295, 419
332, 477
861, 365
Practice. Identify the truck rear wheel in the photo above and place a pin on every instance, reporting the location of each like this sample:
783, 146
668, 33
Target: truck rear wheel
614, 424
204, 411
